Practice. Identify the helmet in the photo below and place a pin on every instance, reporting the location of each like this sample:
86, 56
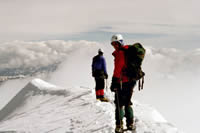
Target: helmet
100, 51
117, 38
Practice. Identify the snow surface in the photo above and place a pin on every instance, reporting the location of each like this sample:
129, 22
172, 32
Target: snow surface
47, 108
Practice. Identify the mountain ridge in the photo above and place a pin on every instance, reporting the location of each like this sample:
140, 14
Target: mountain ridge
45, 107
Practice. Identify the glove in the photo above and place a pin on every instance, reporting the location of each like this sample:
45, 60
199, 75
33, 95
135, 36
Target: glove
106, 76
114, 85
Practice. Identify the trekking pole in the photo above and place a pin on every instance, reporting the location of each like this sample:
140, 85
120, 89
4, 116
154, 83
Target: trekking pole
139, 85
117, 96
106, 85
142, 82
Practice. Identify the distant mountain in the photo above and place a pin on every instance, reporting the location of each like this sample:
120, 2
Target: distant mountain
28, 71
18, 73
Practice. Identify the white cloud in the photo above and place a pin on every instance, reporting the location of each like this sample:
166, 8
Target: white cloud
171, 62
20, 54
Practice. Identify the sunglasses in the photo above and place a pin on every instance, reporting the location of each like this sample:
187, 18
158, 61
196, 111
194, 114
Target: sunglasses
114, 43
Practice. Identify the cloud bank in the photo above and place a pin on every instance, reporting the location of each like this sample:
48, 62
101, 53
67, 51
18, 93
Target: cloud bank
23, 55
174, 62
35, 55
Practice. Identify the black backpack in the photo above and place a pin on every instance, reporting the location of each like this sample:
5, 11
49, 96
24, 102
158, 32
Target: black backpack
134, 56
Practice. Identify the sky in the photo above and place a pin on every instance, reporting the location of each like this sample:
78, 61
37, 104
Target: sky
39, 33
174, 23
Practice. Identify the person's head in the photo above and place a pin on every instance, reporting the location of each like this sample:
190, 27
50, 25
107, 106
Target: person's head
100, 51
117, 41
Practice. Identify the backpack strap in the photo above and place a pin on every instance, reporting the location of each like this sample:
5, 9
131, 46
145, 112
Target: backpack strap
140, 84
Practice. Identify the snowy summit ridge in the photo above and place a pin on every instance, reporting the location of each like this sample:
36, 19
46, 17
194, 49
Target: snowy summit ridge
45, 107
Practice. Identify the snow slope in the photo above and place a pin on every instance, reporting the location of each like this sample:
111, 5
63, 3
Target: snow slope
46, 108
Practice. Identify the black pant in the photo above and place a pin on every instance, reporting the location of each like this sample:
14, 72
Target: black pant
100, 84
123, 103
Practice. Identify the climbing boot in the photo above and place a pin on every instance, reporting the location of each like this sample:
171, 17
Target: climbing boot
119, 129
131, 126
103, 99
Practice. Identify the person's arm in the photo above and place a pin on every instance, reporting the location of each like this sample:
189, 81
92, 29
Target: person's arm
104, 68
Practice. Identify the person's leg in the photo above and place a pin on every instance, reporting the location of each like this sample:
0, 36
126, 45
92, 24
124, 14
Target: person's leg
119, 112
98, 88
129, 114
101, 87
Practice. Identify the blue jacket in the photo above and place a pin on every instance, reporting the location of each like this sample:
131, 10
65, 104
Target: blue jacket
99, 65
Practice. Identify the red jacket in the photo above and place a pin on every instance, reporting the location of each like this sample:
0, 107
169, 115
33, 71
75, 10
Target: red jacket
120, 65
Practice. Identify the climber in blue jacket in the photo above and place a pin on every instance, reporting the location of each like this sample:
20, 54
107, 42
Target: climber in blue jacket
99, 72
